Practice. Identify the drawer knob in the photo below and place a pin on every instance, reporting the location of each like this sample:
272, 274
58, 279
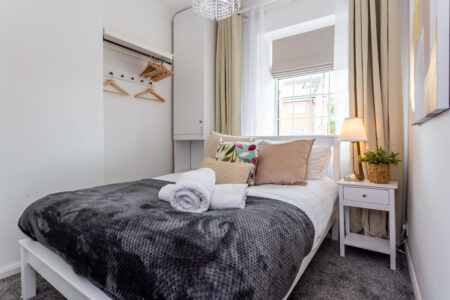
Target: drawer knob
364, 195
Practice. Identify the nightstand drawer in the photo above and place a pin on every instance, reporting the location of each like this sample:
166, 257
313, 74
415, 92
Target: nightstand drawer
366, 195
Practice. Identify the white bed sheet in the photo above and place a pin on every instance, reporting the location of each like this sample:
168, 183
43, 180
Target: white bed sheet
317, 199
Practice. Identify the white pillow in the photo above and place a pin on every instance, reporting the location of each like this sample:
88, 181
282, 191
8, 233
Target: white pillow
318, 161
327, 163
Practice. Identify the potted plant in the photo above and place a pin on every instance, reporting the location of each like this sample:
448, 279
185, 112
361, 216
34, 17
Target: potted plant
378, 164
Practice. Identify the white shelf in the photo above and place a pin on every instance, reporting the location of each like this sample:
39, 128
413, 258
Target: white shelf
115, 38
367, 242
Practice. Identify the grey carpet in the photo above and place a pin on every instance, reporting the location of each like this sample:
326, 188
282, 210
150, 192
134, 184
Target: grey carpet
10, 289
360, 275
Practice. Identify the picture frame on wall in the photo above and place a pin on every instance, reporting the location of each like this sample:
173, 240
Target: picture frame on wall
429, 58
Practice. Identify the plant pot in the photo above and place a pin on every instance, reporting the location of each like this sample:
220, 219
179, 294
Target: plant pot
378, 173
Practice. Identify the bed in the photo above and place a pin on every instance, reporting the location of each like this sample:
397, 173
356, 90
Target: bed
317, 201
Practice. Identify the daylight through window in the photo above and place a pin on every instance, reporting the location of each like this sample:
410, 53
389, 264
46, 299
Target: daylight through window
306, 105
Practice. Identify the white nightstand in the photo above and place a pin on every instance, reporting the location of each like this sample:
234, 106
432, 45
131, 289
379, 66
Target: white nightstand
365, 194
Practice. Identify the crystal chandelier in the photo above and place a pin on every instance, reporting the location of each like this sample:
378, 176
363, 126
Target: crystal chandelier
216, 9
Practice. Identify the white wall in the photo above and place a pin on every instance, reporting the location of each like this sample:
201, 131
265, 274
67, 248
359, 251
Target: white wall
428, 192
429, 205
138, 133
51, 106
290, 13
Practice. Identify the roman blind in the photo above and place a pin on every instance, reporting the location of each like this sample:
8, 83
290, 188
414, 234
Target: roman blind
305, 53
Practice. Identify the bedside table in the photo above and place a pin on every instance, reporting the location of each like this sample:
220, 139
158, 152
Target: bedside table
365, 194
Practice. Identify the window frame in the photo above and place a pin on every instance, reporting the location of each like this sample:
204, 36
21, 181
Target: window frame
311, 96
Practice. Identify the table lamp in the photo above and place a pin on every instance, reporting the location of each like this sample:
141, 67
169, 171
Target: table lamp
353, 131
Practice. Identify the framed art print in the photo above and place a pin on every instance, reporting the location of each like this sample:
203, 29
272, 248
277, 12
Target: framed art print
429, 58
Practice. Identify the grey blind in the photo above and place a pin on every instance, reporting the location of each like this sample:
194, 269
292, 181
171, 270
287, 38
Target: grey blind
304, 53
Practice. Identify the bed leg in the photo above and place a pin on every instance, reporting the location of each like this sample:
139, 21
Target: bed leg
28, 277
335, 229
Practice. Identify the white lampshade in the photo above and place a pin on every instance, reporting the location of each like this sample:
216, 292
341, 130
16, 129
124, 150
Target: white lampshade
353, 131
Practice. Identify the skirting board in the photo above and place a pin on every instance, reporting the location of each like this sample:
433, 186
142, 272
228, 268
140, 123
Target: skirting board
412, 274
9, 270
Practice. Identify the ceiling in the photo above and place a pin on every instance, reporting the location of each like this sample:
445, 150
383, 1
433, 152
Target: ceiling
176, 5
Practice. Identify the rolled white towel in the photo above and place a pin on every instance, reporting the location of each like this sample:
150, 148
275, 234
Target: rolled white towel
228, 196
165, 192
193, 191
225, 196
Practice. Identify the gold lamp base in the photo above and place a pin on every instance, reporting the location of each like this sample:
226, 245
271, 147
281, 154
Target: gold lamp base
354, 177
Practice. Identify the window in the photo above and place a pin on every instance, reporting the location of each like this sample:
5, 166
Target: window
306, 105
299, 107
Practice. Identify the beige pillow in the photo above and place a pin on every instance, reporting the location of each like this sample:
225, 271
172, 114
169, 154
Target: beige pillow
228, 172
283, 163
213, 142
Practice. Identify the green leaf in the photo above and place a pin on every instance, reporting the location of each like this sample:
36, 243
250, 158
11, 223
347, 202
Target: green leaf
379, 157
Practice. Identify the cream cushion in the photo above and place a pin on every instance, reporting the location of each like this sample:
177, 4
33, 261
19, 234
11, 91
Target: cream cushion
213, 142
318, 162
228, 172
283, 163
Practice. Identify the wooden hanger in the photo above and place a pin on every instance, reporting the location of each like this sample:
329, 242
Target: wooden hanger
150, 91
161, 76
155, 72
152, 69
113, 83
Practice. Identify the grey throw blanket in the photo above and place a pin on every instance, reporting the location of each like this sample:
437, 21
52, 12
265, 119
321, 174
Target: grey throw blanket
133, 246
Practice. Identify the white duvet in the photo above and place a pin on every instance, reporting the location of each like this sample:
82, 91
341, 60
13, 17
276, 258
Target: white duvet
316, 199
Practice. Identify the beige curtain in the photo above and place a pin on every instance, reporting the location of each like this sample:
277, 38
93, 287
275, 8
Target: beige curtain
376, 95
228, 75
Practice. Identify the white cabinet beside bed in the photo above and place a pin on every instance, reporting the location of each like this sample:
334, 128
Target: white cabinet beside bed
367, 195
194, 87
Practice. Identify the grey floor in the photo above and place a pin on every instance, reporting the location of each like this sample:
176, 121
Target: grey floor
360, 275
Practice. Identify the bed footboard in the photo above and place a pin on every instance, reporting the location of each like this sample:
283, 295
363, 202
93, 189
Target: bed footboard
37, 258
27, 276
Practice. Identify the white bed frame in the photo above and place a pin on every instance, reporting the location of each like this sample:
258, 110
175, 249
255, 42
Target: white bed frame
37, 258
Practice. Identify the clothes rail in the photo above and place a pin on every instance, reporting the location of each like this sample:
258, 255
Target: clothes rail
137, 51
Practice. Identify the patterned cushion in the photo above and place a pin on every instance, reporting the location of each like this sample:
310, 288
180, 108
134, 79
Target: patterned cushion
246, 152
228, 172
213, 142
